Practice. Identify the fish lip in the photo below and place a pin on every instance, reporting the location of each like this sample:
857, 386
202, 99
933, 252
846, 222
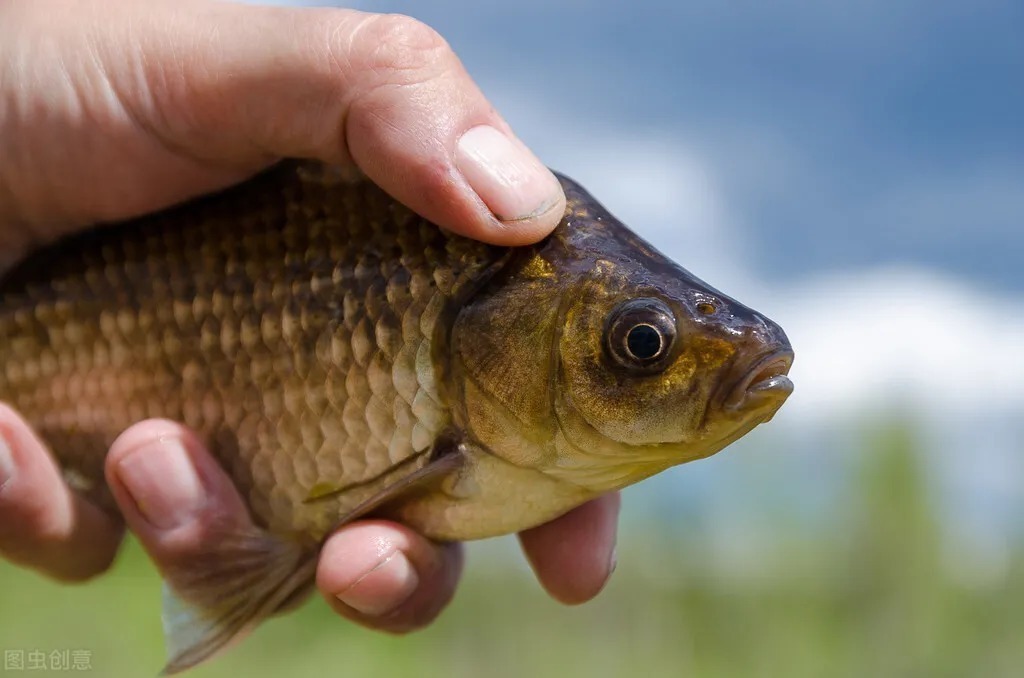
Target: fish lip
767, 377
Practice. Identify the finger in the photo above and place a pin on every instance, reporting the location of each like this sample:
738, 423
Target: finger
574, 555
173, 494
240, 86
43, 523
384, 90
179, 502
386, 576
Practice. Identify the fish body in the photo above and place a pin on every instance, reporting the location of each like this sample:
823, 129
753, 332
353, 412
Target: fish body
342, 357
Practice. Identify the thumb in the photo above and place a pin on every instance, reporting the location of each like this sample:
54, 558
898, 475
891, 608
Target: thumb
249, 85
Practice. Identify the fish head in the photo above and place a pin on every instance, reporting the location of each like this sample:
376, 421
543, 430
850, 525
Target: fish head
617, 362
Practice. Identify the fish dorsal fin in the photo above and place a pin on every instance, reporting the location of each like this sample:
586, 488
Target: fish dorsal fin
217, 601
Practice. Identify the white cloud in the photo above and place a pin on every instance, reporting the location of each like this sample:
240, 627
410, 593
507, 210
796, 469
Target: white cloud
869, 340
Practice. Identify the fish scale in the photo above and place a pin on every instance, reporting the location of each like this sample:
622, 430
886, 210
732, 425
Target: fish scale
214, 327
343, 357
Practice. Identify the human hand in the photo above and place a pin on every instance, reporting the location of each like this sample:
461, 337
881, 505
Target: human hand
111, 109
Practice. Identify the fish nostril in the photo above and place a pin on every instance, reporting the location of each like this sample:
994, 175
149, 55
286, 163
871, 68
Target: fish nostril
766, 331
755, 328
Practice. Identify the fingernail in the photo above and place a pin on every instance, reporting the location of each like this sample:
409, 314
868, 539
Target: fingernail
6, 463
510, 180
383, 588
163, 482
613, 560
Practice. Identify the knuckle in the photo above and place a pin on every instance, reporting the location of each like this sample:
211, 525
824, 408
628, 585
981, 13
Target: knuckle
435, 176
400, 48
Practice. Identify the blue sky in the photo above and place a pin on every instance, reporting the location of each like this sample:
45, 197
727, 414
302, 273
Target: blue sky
842, 134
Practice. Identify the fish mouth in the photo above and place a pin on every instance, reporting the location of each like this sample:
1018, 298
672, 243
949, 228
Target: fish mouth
765, 384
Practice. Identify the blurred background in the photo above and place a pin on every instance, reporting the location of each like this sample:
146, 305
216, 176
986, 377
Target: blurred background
855, 170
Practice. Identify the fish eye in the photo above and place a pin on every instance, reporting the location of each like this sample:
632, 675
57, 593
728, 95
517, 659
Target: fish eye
706, 308
640, 334
643, 342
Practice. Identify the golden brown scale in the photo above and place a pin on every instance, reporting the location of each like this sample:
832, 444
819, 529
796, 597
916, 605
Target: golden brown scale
298, 341
344, 357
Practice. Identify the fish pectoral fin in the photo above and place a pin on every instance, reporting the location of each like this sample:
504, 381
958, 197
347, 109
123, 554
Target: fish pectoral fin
446, 458
220, 599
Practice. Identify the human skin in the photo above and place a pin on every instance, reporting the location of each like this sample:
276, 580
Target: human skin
114, 108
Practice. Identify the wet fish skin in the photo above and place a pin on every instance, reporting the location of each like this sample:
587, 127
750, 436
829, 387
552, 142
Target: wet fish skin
342, 356
290, 321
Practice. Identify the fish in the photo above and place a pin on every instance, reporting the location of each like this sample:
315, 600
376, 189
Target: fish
343, 357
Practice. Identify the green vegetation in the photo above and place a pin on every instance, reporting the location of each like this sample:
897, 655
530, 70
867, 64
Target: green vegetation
879, 591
